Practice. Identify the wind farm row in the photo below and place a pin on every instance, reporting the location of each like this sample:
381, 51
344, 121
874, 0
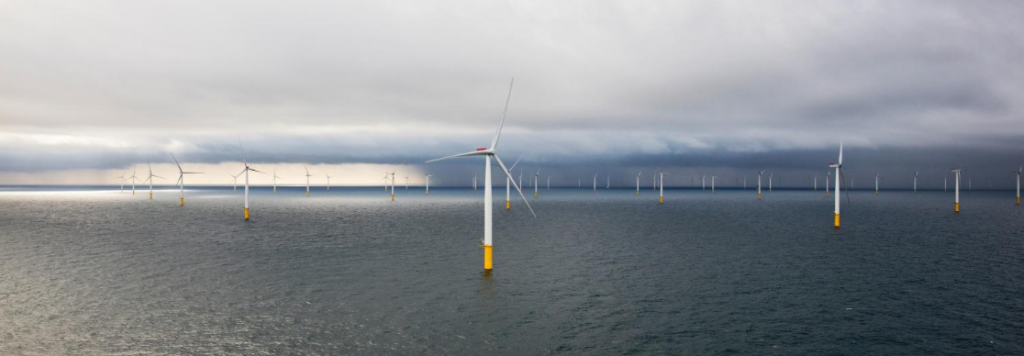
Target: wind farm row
491, 159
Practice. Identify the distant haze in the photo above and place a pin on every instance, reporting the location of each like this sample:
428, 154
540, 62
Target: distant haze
88, 89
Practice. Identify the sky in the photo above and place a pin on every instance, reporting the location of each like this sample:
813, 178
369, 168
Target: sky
89, 89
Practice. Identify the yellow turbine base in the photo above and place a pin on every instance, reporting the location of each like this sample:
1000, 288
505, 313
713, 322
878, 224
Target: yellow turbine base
488, 257
535, 194
275, 190
307, 193
837, 221
508, 205
826, 194
758, 196
661, 200
956, 208
247, 214
182, 201
150, 196
638, 192
392, 197
1018, 200
428, 192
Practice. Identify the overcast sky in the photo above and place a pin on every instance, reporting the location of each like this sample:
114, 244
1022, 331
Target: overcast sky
88, 88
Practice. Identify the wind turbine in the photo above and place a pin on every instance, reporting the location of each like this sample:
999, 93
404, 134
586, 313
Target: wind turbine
595, 183
488, 153
307, 179
744, 182
474, 182
827, 177
713, 184
428, 184
181, 179
661, 191
508, 185
133, 177
122, 181
877, 177
1019, 171
915, 181
328, 181
815, 182
385, 181
536, 177
608, 184
759, 174
770, 182
235, 184
393, 185
549, 183
406, 182
275, 181
150, 179
956, 195
702, 176
840, 174
638, 182
246, 170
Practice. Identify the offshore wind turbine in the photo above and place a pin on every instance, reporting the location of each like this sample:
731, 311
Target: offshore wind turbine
827, 177
536, 177
428, 184
638, 182
815, 182
307, 179
235, 180
759, 174
328, 181
661, 191
956, 196
595, 183
393, 185
877, 177
488, 153
133, 178
549, 183
915, 181
474, 182
406, 182
1019, 171
702, 176
508, 185
246, 171
122, 181
181, 179
275, 181
608, 184
713, 184
840, 176
150, 179
770, 182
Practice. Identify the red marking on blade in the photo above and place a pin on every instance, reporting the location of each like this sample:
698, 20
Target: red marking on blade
482, 149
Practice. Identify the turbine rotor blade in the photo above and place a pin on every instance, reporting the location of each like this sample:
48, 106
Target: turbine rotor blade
467, 154
497, 134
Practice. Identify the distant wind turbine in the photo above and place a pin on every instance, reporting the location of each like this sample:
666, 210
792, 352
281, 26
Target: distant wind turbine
759, 174
915, 181
713, 184
956, 183
307, 179
595, 183
246, 171
428, 184
1019, 171
638, 182
508, 185
122, 180
275, 181
489, 153
661, 191
133, 178
235, 184
181, 179
150, 179
840, 176
328, 181
536, 178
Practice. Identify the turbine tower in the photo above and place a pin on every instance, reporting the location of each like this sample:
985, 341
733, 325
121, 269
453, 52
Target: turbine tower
235, 184
595, 183
840, 176
508, 186
307, 179
713, 184
150, 179
827, 177
275, 181
246, 171
638, 182
122, 181
488, 153
661, 191
877, 177
328, 181
915, 181
133, 178
956, 196
759, 174
428, 184
181, 179
536, 178
1019, 171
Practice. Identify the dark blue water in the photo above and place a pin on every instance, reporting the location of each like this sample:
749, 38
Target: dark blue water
96, 272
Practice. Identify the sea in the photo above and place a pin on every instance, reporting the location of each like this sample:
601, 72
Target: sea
97, 271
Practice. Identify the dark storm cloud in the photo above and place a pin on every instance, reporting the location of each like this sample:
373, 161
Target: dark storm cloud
615, 84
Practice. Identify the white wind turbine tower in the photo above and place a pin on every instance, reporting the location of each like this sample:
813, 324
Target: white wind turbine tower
246, 171
536, 178
661, 191
840, 176
815, 182
488, 153
1019, 171
406, 182
654, 180
474, 181
181, 179
827, 177
549, 183
385, 181
915, 181
428, 184
235, 184
945, 182
744, 182
328, 181
770, 182
713, 184
393, 185
702, 176
638, 182
759, 174
956, 183
877, 177
595, 183
608, 184
150, 179
508, 185
133, 178
275, 181
122, 181
520, 176
307, 179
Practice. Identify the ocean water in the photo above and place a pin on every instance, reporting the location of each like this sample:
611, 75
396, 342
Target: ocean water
91, 271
